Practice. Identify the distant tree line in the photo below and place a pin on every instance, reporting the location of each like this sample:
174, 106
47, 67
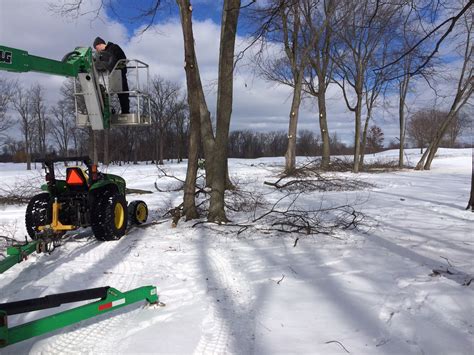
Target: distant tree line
367, 48
52, 131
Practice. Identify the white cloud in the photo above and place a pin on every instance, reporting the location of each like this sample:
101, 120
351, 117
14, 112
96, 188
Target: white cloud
29, 25
258, 105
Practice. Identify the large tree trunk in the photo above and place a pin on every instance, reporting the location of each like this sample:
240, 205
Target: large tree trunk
425, 161
323, 126
364, 140
215, 149
207, 135
470, 204
189, 203
402, 120
434, 145
290, 155
42, 137
28, 153
161, 148
192, 82
230, 17
358, 114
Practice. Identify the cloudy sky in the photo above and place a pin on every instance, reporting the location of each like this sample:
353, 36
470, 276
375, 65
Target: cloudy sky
258, 105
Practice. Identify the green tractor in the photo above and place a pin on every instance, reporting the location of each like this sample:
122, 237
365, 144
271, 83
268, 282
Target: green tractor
85, 198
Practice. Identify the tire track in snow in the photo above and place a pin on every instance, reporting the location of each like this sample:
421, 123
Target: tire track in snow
230, 307
105, 332
401, 303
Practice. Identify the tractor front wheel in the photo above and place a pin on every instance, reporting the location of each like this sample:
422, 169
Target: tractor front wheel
137, 212
109, 216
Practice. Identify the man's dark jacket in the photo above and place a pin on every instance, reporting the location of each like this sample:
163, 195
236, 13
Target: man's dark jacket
115, 53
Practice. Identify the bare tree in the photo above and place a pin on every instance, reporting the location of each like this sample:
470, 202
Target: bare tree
424, 124
180, 123
319, 22
123, 140
374, 85
164, 97
308, 144
362, 28
410, 32
375, 138
7, 91
463, 91
81, 137
39, 112
290, 28
421, 126
275, 144
297, 54
215, 147
61, 126
458, 125
22, 104
195, 101
230, 17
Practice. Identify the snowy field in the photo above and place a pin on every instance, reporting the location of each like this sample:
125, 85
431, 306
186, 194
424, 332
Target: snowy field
365, 291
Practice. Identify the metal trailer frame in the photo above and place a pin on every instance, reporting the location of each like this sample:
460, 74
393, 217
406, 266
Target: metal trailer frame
110, 299
16, 254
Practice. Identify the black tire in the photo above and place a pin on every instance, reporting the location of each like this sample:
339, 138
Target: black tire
137, 212
37, 213
109, 216
68, 55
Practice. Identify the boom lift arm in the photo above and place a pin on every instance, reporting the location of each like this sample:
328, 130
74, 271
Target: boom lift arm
20, 61
81, 64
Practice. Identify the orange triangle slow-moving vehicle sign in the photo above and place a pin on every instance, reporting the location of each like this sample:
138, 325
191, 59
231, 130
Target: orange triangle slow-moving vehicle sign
74, 177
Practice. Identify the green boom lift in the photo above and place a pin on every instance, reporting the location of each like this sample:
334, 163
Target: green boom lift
97, 85
85, 198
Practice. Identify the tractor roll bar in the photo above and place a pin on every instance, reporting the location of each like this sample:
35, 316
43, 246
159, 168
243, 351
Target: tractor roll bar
84, 159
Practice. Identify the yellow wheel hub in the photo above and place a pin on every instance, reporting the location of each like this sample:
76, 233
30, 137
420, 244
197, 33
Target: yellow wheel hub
119, 215
141, 213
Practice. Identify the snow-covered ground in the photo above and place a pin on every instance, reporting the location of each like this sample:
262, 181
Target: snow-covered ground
367, 291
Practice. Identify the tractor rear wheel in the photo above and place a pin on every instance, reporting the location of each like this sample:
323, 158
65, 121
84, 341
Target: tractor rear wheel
137, 212
109, 216
37, 214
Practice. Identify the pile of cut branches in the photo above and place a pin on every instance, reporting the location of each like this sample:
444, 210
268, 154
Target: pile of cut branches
308, 178
21, 191
288, 216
